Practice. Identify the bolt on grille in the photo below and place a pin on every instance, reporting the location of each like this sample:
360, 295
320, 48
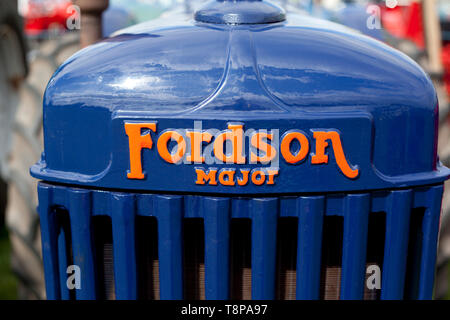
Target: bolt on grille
153, 246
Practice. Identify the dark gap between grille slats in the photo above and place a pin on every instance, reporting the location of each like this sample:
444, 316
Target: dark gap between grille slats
330, 278
63, 222
414, 258
104, 256
375, 252
147, 257
240, 259
286, 258
194, 259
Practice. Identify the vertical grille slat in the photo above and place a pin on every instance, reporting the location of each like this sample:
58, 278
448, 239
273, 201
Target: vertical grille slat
396, 244
264, 241
430, 230
311, 215
168, 210
49, 234
356, 224
302, 247
124, 248
217, 247
83, 251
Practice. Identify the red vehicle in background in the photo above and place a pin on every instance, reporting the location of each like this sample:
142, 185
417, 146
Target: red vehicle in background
42, 16
404, 21
444, 15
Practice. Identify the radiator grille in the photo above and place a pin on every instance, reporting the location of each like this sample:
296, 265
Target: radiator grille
153, 246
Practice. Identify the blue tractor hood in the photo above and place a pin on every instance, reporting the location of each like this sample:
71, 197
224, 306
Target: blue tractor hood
248, 65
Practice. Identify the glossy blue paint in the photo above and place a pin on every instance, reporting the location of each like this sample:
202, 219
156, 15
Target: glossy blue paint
123, 229
356, 223
430, 231
264, 72
168, 211
240, 12
49, 232
396, 244
295, 74
79, 207
309, 247
217, 248
264, 214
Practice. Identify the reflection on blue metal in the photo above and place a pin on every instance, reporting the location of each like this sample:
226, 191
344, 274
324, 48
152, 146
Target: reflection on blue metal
217, 243
240, 12
79, 211
169, 215
264, 241
396, 244
314, 76
351, 126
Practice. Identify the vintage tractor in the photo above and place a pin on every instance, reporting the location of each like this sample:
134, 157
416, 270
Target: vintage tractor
245, 154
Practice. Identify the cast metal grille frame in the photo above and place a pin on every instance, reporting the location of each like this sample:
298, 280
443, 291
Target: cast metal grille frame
217, 212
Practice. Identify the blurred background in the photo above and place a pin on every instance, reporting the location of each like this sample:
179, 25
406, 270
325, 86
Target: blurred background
36, 36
